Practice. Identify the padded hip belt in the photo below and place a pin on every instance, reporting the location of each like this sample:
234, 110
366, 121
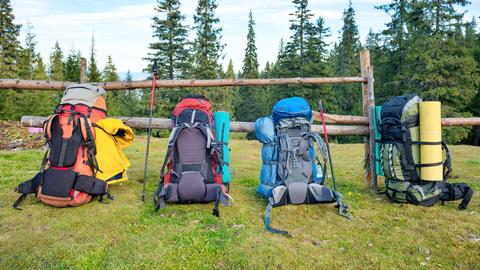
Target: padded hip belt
301, 193
192, 191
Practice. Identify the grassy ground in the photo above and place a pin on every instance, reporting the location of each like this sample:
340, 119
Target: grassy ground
128, 234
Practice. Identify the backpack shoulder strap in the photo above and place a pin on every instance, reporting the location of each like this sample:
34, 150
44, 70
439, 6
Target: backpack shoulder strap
447, 165
47, 127
320, 143
171, 144
89, 139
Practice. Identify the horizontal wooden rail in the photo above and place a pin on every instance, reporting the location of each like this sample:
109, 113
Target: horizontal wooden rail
58, 85
164, 123
342, 119
472, 121
361, 120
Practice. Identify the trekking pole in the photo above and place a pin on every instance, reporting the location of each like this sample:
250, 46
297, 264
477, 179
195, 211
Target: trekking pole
149, 128
320, 107
342, 208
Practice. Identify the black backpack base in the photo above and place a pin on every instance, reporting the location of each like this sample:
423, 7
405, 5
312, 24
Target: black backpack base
424, 193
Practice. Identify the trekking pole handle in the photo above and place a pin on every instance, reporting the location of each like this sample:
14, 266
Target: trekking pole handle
320, 106
154, 67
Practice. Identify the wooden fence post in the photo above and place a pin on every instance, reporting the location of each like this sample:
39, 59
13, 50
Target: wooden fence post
368, 102
83, 70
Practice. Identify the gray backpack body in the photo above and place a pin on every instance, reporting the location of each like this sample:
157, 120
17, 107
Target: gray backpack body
296, 165
192, 168
294, 159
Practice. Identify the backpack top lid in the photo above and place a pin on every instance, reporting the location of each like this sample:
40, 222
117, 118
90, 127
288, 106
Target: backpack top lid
193, 109
195, 102
291, 108
402, 108
87, 94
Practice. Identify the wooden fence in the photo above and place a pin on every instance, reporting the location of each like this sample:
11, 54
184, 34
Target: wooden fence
338, 124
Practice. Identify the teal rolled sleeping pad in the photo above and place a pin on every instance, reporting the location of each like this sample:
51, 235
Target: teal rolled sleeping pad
222, 132
378, 162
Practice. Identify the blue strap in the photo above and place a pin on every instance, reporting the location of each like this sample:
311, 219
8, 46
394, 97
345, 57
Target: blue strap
267, 219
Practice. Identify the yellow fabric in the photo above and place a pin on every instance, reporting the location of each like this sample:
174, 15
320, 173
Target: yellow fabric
110, 157
431, 131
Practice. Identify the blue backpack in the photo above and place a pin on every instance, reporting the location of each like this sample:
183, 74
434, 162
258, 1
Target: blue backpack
294, 159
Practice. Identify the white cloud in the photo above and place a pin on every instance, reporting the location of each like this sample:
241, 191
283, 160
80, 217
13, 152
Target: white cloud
123, 32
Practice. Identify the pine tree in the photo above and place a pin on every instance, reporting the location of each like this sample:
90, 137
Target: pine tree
301, 26
305, 55
130, 99
17, 103
39, 73
250, 61
230, 73
26, 60
56, 63
71, 69
114, 98
227, 93
267, 71
110, 71
315, 55
9, 43
29, 102
427, 49
315, 64
172, 50
279, 68
171, 47
128, 76
93, 73
444, 13
250, 100
55, 71
207, 48
44, 101
348, 96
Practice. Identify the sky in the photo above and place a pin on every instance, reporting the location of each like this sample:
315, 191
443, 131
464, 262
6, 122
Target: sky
123, 29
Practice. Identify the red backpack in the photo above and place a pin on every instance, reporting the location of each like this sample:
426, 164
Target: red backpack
67, 174
191, 171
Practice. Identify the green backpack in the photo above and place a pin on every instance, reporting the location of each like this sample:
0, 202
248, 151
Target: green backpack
400, 157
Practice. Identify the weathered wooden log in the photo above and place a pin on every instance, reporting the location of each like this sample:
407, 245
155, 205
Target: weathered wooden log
472, 121
342, 119
164, 123
361, 120
57, 85
83, 70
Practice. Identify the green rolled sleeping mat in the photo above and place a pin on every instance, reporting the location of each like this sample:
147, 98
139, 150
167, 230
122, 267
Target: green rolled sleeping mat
378, 160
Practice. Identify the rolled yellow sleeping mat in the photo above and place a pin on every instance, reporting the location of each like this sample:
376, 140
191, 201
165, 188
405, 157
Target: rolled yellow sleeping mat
431, 131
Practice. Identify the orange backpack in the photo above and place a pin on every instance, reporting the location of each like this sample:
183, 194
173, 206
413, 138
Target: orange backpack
67, 176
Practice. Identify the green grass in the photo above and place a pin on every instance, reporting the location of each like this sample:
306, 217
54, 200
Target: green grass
128, 234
